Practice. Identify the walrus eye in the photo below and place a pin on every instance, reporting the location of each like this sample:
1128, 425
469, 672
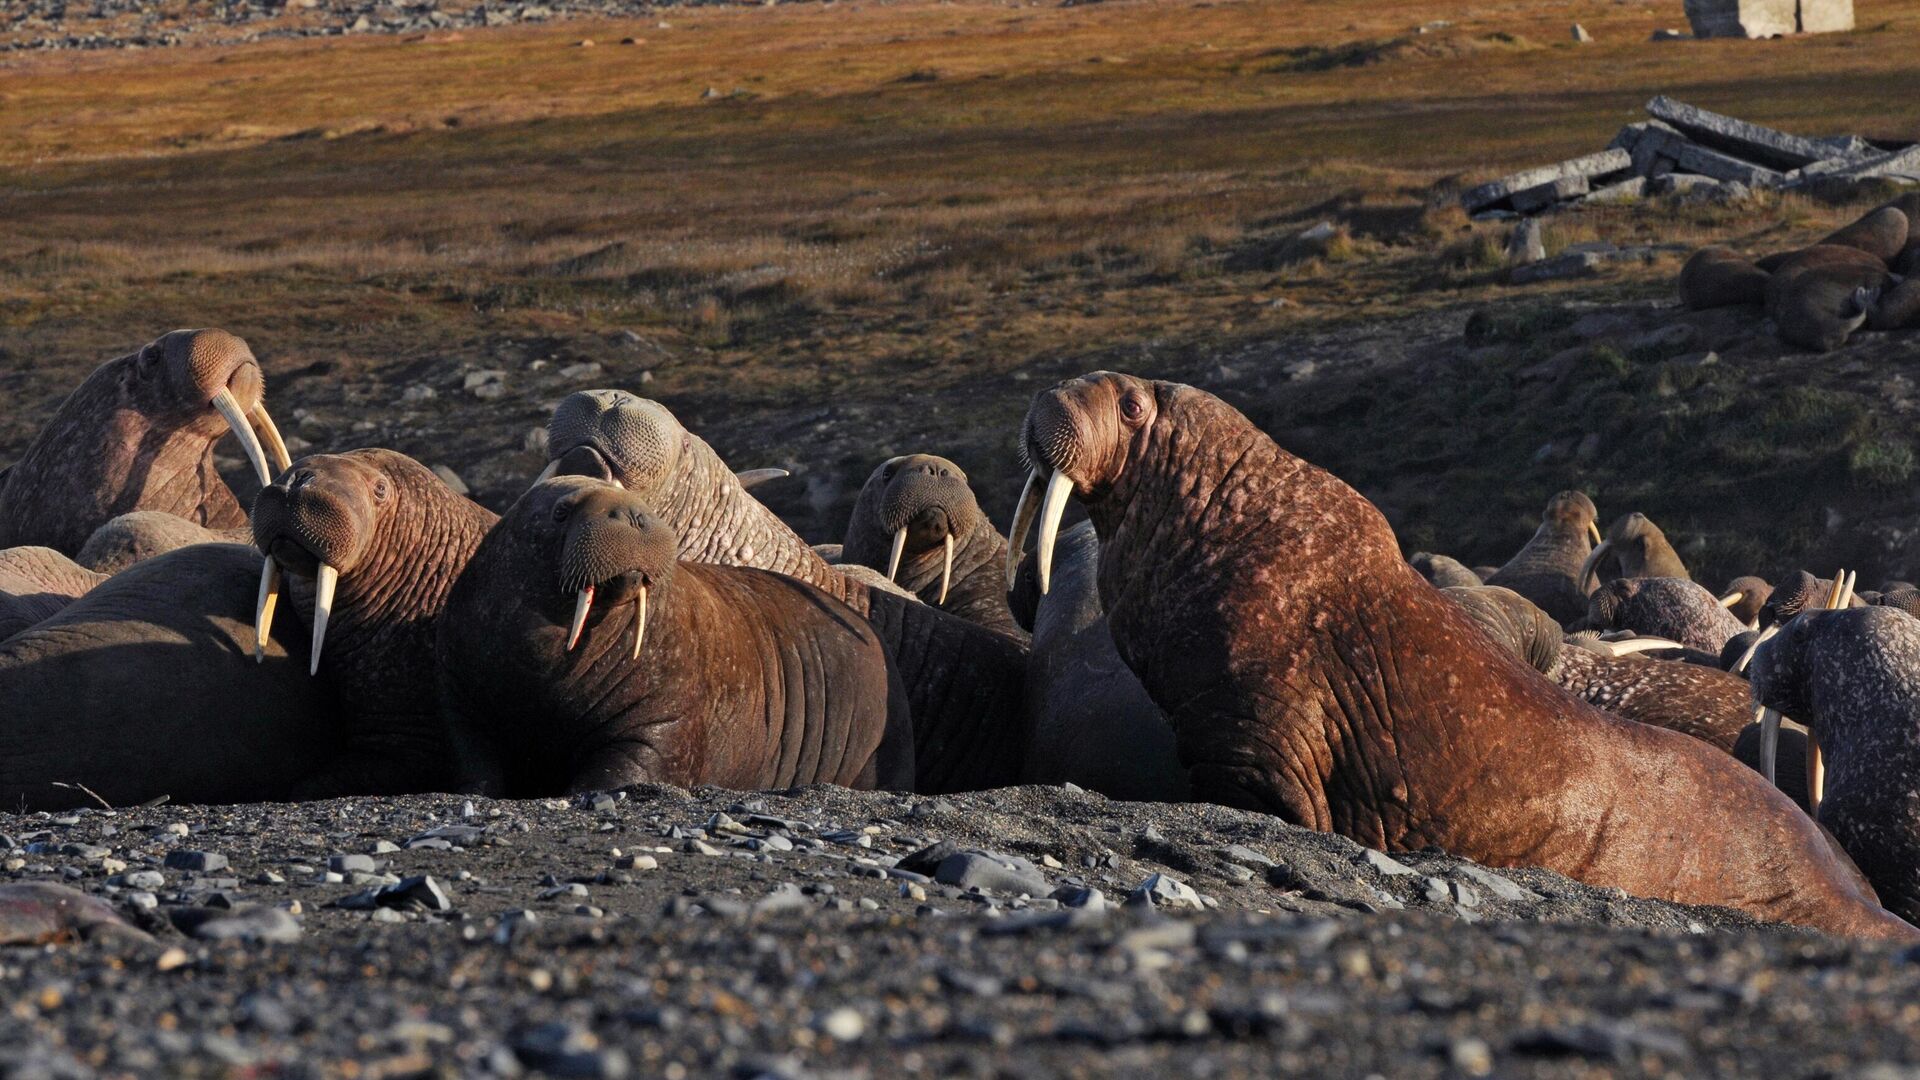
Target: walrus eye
1131, 408
380, 491
561, 511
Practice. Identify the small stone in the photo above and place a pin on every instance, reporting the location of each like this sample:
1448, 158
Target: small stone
176, 828
1080, 896
1436, 891
257, 923
1385, 864
143, 879
585, 370
143, 900
418, 393
984, 870
1580, 34
1525, 244
636, 862
1471, 1056
347, 864
386, 915
572, 889
419, 891
1244, 855
1160, 890
842, 1025
200, 862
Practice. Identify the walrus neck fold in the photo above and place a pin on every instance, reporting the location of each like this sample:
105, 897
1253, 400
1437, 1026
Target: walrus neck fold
719, 522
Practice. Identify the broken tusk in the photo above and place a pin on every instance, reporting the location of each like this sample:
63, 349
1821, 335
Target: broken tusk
1769, 722
1023, 514
229, 408
263, 606
323, 587
946, 571
1587, 569
1051, 509
1747, 657
1816, 773
899, 548
1593, 530
581, 605
1731, 598
1639, 645
640, 622
276, 446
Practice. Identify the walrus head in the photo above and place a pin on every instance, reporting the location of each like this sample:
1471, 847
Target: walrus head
1575, 510
1640, 546
611, 550
912, 506
612, 435
1778, 684
1745, 596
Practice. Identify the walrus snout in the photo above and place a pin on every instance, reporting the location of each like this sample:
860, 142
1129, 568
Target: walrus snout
214, 380
614, 552
1076, 437
638, 441
318, 520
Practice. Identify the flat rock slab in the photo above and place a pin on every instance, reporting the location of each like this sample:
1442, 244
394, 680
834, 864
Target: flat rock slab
1750, 142
1743, 18
1551, 193
1891, 165
1689, 156
1592, 165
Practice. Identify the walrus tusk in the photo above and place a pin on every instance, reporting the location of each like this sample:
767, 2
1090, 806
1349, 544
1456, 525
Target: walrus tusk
946, 570
1816, 773
1747, 657
1639, 645
1593, 562
1769, 722
1051, 509
1842, 596
1732, 598
546, 474
1593, 530
1022, 523
581, 606
229, 408
276, 446
753, 478
323, 586
263, 606
640, 622
893, 558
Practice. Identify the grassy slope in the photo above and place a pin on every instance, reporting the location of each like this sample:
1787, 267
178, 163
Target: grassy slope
889, 222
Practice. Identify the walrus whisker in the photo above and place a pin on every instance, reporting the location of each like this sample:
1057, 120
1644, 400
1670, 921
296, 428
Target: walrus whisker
640, 622
324, 584
276, 446
581, 606
1593, 562
1747, 657
1023, 513
263, 607
893, 557
1051, 510
1732, 598
229, 408
1816, 773
1769, 721
946, 570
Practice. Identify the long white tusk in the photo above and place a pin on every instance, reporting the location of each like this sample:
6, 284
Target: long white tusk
1769, 722
229, 408
581, 605
1833, 592
546, 474
1845, 599
1639, 645
263, 606
1593, 562
893, 558
1023, 514
640, 623
1747, 657
323, 586
753, 478
946, 571
1732, 598
1593, 530
1051, 508
1816, 773
276, 446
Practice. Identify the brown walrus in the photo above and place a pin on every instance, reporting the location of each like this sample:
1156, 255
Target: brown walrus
965, 683
1744, 596
578, 653
41, 913
1673, 608
1853, 678
147, 686
135, 537
918, 520
35, 583
1881, 233
138, 434
1717, 277
382, 539
1818, 297
1546, 570
1308, 671
1640, 548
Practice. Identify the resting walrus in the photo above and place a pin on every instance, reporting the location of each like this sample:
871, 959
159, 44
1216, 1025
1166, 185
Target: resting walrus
578, 653
1309, 672
1672, 608
1641, 549
138, 434
35, 583
1547, 569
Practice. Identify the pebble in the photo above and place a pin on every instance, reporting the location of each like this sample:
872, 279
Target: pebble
199, 862
842, 1025
254, 923
985, 870
1160, 890
418, 891
1384, 863
347, 864
636, 862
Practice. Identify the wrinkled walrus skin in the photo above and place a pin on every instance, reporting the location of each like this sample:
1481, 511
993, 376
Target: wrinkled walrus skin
136, 537
36, 583
137, 434
147, 686
1853, 678
1309, 672
1546, 570
1673, 608
743, 678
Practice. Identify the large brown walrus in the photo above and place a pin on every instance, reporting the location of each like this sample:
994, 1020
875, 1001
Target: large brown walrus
138, 434
965, 683
148, 686
1820, 295
579, 653
1639, 547
382, 540
35, 583
1546, 570
918, 520
1309, 672
1717, 277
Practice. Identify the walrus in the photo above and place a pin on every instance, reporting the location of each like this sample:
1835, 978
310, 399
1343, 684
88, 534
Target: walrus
1672, 608
1309, 672
148, 686
579, 653
918, 520
965, 683
1822, 294
1640, 548
36, 583
142, 534
1093, 723
1744, 596
1716, 277
1547, 569
1853, 678
382, 539
1906, 598
1881, 233
138, 434
1801, 592
1443, 571
1790, 756
41, 913
1896, 308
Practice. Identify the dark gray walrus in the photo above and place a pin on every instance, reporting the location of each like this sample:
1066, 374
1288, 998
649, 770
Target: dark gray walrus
1547, 569
578, 652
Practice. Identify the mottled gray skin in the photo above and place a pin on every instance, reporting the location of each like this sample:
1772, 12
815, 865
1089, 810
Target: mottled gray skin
137, 434
39, 913
1853, 678
1896, 308
1640, 549
929, 497
399, 537
1672, 608
1444, 571
1754, 593
1801, 592
135, 537
147, 686
1547, 569
1790, 759
1814, 300
1093, 723
745, 679
965, 683
36, 583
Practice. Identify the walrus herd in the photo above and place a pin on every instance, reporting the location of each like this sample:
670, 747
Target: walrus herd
1230, 624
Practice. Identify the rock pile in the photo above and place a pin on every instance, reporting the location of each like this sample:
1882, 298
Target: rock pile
1768, 18
1682, 148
